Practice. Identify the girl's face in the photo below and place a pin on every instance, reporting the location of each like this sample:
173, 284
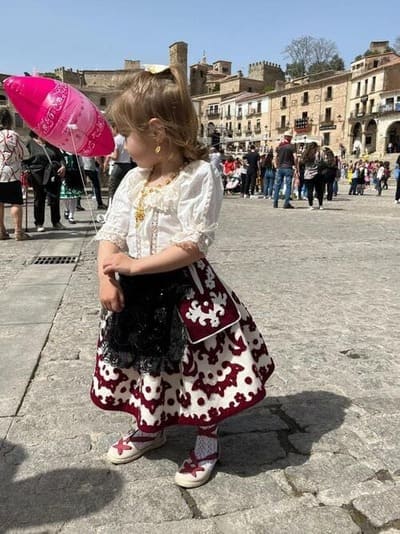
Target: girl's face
140, 147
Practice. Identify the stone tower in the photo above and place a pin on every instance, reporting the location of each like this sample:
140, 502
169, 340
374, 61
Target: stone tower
178, 55
267, 72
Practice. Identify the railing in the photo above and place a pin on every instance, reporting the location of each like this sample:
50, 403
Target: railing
302, 124
257, 129
213, 114
390, 108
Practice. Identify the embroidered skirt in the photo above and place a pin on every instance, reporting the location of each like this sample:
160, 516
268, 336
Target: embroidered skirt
217, 377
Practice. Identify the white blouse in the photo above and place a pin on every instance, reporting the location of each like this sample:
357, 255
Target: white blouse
185, 210
11, 153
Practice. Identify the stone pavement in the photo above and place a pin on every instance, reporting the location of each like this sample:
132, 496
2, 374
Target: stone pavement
319, 455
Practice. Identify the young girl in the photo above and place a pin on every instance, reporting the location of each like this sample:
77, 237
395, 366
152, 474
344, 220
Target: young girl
176, 345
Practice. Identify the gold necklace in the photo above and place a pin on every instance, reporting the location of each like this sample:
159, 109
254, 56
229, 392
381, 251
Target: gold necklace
147, 190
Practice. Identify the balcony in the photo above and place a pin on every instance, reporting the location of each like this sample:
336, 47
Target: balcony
281, 127
390, 108
213, 114
249, 131
327, 124
257, 129
239, 116
238, 133
228, 116
302, 125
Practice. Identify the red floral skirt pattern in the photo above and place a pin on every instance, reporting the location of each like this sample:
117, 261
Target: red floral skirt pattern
218, 377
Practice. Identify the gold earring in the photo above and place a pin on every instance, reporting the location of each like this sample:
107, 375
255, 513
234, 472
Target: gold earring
157, 150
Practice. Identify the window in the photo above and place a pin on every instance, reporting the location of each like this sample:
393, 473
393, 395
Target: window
283, 121
373, 83
371, 105
358, 92
329, 92
305, 98
328, 114
365, 87
357, 109
327, 138
103, 101
258, 107
304, 115
283, 102
3, 100
376, 63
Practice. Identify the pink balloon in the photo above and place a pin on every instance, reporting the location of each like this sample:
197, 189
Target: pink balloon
60, 114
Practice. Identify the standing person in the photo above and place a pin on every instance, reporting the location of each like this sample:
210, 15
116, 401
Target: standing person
397, 178
354, 173
252, 159
269, 175
328, 169
47, 168
312, 178
228, 170
91, 169
11, 154
71, 186
122, 163
380, 176
286, 164
216, 161
160, 357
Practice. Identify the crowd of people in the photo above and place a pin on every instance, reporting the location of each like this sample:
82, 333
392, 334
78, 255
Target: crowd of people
309, 172
57, 179
60, 179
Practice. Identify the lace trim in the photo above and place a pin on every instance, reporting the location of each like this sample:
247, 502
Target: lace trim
113, 237
201, 236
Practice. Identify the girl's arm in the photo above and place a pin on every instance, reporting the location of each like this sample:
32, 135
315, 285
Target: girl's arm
171, 258
110, 293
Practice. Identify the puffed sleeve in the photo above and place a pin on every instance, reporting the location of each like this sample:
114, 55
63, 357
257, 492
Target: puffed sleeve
198, 207
116, 225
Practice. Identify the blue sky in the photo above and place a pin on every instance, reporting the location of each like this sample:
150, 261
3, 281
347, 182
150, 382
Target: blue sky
100, 34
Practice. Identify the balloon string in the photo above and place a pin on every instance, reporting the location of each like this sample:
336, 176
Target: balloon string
83, 181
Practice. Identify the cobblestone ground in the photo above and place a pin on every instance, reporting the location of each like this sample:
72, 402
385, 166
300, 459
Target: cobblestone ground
320, 455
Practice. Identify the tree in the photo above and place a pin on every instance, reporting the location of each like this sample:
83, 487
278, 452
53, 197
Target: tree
396, 44
310, 55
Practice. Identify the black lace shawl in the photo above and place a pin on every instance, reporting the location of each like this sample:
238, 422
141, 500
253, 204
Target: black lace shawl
148, 333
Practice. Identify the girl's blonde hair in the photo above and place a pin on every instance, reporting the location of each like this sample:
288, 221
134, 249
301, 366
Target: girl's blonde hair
165, 96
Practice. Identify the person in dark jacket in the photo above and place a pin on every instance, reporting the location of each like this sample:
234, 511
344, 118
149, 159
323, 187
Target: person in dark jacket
46, 167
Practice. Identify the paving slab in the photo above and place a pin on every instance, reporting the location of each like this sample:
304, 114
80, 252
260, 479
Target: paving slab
320, 454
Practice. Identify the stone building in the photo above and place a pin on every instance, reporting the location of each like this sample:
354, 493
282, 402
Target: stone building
359, 108
374, 101
312, 108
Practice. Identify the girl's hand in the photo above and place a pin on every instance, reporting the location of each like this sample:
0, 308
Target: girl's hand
110, 294
118, 263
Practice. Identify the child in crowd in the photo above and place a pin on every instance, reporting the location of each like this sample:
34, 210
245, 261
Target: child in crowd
176, 345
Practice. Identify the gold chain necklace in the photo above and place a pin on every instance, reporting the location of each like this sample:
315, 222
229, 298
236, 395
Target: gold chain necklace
147, 190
